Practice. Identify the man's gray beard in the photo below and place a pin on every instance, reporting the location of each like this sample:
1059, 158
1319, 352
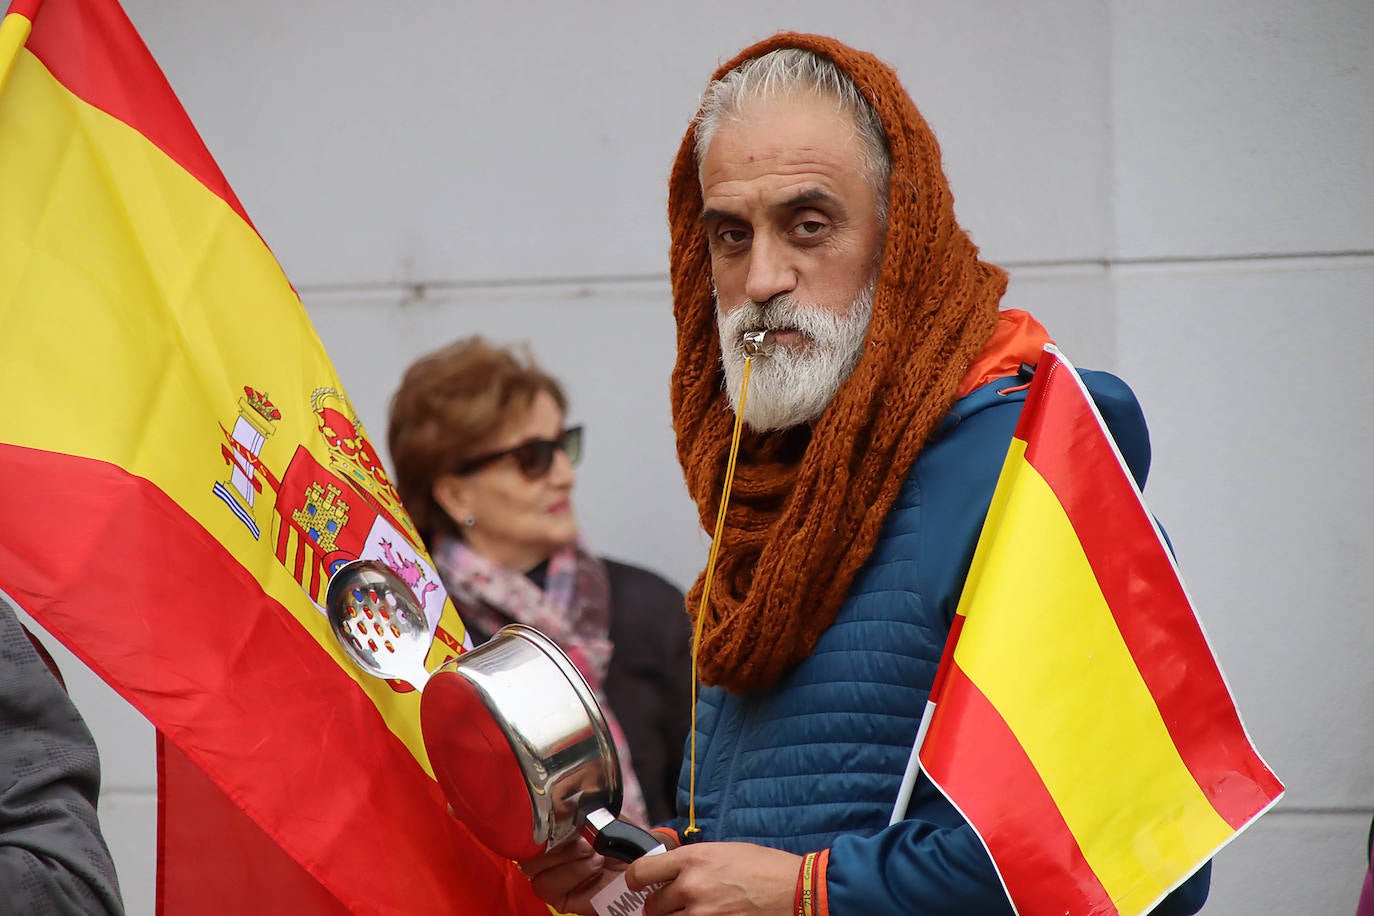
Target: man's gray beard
790, 387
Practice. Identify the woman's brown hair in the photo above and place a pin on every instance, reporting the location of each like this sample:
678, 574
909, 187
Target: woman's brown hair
449, 405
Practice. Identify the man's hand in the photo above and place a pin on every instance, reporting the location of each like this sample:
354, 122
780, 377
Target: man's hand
716, 879
570, 876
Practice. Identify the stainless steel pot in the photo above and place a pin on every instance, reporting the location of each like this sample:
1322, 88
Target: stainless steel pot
522, 751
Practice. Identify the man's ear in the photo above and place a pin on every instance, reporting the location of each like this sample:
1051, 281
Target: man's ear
451, 493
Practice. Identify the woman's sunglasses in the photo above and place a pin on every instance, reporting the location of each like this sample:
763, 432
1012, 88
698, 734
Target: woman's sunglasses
534, 457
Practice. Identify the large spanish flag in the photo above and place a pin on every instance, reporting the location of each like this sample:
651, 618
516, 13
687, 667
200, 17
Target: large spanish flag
180, 471
1081, 723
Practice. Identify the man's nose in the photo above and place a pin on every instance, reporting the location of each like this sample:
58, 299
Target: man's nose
771, 271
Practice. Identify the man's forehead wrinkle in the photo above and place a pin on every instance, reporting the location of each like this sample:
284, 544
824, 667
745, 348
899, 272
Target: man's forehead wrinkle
780, 160
792, 166
783, 156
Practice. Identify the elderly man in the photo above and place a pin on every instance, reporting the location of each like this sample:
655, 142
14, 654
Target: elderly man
808, 201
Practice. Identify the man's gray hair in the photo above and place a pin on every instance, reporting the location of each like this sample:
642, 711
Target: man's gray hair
792, 71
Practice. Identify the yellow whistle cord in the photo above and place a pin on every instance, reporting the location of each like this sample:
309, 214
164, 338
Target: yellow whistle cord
692, 829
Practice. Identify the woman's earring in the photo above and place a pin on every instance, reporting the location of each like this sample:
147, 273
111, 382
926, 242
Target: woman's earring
469, 521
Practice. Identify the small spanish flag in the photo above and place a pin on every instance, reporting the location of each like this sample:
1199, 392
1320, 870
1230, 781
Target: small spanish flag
180, 472
1081, 724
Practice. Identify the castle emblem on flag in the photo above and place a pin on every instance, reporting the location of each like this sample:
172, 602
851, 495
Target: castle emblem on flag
257, 420
323, 515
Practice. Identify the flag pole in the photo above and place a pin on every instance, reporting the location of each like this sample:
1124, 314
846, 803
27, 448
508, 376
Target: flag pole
913, 763
14, 31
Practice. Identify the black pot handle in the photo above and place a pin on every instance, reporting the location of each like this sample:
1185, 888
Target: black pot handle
618, 839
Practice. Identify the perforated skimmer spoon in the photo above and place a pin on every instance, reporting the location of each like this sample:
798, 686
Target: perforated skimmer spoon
378, 622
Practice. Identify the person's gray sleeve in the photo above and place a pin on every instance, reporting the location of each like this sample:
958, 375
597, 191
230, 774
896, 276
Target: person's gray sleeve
53, 858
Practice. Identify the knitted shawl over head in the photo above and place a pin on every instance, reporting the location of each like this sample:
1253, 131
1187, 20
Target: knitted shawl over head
807, 504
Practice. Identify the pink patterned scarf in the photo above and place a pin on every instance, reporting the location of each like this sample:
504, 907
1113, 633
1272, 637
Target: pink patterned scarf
573, 609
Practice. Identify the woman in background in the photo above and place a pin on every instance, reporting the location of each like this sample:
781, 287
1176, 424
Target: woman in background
484, 466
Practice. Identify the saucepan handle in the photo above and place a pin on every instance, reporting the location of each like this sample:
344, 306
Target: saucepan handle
619, 839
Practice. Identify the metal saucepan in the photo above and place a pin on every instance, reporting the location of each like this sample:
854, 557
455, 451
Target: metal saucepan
522, 751
516, 738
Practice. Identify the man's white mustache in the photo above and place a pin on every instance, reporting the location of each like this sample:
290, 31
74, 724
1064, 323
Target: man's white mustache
780, 313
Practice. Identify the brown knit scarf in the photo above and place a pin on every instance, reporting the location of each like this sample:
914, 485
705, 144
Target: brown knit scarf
807, 504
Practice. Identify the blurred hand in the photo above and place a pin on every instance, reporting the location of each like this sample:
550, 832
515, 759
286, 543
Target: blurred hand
716, 879
568, 877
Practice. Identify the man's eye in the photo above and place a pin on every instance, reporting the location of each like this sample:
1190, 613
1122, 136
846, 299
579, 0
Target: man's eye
809, 228
733, 236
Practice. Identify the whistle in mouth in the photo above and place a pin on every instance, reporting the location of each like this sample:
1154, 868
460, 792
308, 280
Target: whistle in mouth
754, 343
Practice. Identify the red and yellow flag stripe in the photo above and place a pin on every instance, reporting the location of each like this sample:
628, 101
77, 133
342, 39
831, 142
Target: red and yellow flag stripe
1084, 729
138, 301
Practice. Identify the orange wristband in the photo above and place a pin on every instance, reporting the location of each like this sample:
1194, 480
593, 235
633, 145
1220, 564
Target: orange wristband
804, 903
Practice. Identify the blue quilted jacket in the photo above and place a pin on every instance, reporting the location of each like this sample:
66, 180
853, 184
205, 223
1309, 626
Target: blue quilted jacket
815, 761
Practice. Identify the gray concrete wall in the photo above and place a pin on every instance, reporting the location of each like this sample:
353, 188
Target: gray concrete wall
1182, 191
